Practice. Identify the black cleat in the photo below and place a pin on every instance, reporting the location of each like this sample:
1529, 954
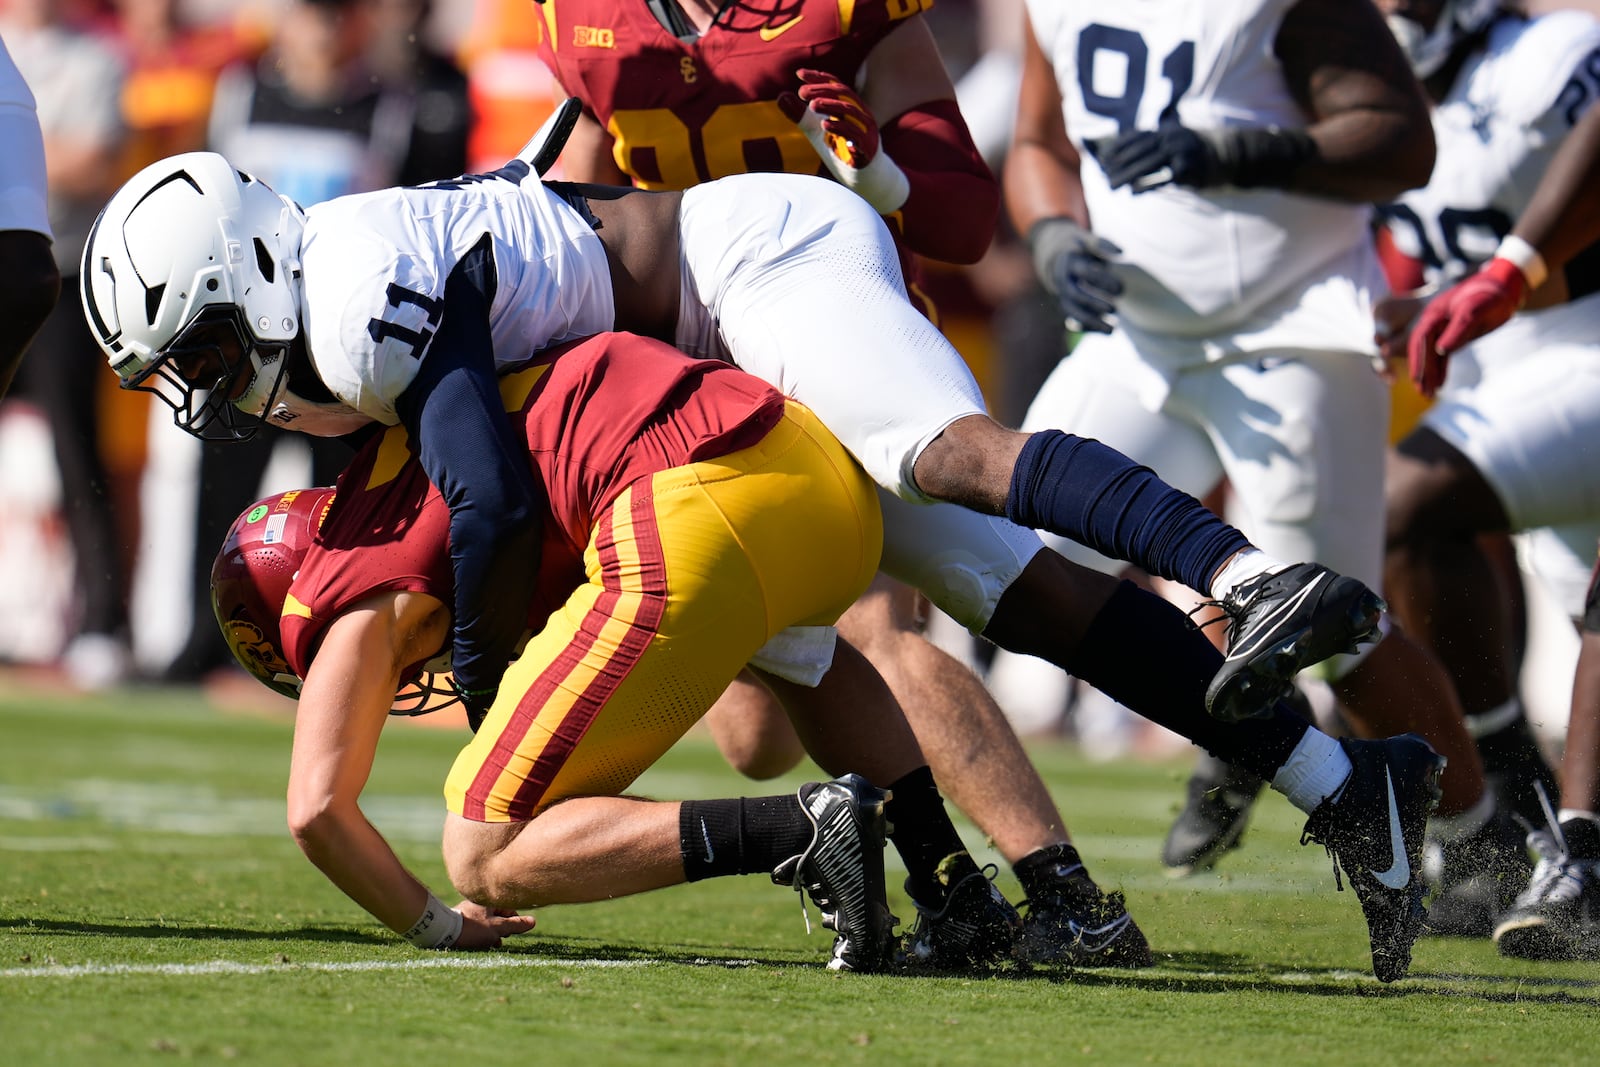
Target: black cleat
977, 929
1476, 878
1281, 623
1557, 916
1213, 821
842, 870
1072, 922
1374, 827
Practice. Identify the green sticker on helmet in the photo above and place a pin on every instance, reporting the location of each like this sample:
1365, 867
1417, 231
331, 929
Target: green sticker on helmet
257, 513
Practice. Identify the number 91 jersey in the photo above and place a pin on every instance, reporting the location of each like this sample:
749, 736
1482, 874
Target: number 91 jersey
685, 112
375, 267
1214, 262
1506, 113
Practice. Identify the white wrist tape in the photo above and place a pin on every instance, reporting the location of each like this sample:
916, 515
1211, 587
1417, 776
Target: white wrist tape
439, 927
880, 183
1526, 258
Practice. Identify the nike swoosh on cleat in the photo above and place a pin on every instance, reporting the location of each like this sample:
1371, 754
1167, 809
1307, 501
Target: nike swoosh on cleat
1282, 610
1099, 939
1399, 872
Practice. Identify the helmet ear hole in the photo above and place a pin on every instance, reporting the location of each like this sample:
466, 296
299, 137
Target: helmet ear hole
264, 262
152, 301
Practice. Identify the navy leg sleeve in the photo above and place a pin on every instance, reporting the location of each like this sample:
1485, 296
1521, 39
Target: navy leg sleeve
1080, 488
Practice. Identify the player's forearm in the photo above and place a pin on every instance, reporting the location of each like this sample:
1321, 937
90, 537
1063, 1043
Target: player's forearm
954, 200
1040, 185
454, 413
1041, 172
1563, 218
351, 853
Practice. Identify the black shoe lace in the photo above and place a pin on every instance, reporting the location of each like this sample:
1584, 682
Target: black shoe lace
1230, 614
1316, 832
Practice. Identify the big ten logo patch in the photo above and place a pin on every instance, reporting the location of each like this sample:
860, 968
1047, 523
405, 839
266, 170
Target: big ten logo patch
593, 37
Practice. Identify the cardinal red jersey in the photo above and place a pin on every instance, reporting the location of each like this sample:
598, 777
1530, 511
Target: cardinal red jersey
599, 414
685, 112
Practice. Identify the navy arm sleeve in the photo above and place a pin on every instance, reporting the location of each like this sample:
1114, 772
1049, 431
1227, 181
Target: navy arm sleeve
469, 449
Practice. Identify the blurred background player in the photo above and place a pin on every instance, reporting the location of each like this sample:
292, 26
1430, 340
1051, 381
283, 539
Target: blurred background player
1503, 448
404, 60
1200, 210
678, 94
1556, 916
76, 80
33, 280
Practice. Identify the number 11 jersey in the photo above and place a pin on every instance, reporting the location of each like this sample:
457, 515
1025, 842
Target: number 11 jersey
375, 267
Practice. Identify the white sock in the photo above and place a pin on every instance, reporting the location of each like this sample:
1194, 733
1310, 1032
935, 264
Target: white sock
1449, 828
1574, 813
1314, 771
1243, 567
1493, 720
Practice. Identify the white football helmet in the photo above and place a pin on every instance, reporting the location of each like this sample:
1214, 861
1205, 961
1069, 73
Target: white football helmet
1429, 46
191, 284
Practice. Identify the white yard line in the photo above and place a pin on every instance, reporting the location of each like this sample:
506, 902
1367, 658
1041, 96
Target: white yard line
216, 967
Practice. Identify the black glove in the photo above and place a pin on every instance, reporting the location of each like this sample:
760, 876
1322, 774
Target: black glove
1171, 154
1075, 265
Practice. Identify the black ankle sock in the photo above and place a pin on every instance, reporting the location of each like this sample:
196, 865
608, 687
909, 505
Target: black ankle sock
925, 838
1513, 761
1039, 871
746, 835
1583, 838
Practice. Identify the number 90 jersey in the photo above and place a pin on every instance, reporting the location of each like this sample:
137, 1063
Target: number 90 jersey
375, 267
1204, 263
1506, 113
685, 112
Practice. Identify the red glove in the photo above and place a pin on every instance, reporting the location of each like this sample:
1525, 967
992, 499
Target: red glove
1461, 314
851, 129
846, 136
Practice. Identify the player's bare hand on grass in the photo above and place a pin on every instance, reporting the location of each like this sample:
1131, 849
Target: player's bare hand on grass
486, 927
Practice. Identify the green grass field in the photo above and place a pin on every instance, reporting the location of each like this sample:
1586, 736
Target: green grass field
153, 908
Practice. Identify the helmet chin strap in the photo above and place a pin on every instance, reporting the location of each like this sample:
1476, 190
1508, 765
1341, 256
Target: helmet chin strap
300, 401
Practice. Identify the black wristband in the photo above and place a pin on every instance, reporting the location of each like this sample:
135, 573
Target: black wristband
1263, 156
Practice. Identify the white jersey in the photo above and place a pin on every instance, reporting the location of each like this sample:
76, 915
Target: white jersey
22, 176
1508, 110
1522, 402
1245, 270
375, 267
